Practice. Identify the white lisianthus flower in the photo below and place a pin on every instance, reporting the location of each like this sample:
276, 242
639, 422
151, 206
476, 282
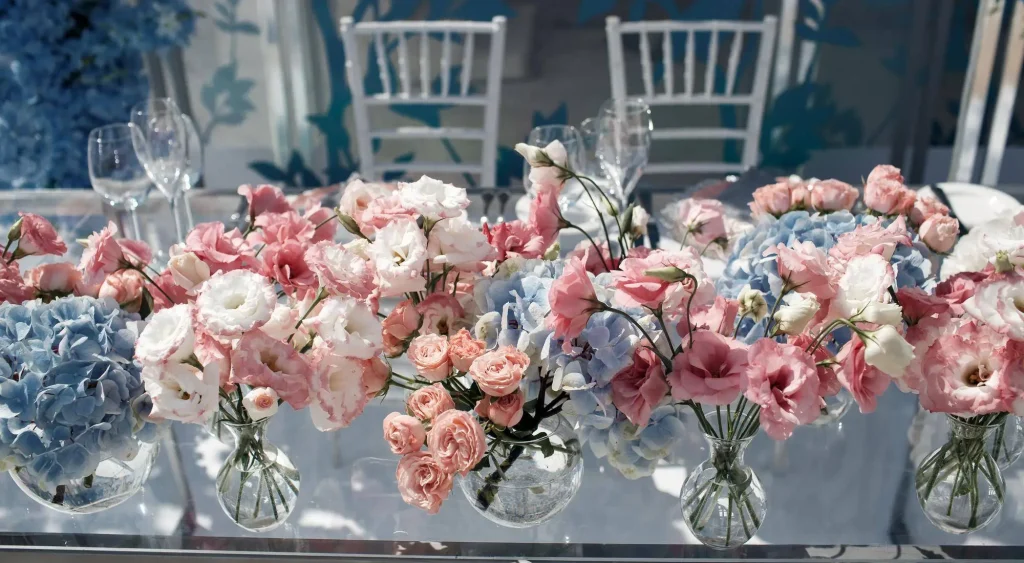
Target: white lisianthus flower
232, 303
638, 226
457, 243
752, 304
866, 280
433, 199
399, 254
360, 247
999, 304
282, 322
181, 392
796, 311
882, 314
487, 326
168, 336
888, 351
187, 270
348, 327
341, 387
535, 156
260, 403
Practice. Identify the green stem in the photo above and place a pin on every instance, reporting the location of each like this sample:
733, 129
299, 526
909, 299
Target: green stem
150, 280
654, 347
597, 248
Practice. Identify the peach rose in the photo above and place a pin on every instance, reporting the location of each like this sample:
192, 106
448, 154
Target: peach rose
429, 353
456, 440
125, 287
422, 482
503, 411
398, 326
463, 349
925, 207
427, 403
940, 232
885, 193
403, 433
833, 195
59, 279
499, 372
774, 199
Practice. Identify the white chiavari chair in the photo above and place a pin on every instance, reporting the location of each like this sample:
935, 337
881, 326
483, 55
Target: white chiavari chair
705, 90
418, 88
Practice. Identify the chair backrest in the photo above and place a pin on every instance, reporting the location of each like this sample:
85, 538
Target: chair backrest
386, 37
696, 90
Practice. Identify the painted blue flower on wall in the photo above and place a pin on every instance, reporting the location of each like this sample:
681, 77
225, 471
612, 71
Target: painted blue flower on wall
226, 95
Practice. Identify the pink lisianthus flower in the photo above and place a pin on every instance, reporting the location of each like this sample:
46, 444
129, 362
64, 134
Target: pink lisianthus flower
102, 255
545, 216
325, 224
638, 389
996, 302
804, 267
773, 199
828, 383
258, 360
441, 313
38, 237
278, 228
340, 388
959, 288
921, 335
356, 198
382, 211
422, 481
595, 260
702, 220
285, 263
341, 271
964, 372
13, 288
783, 380
832, 195
870, 239
637, 284
572, 299
515, 238
712, 371
918, 304
718, 317
221, 251
164, 291
263, 199
865, 382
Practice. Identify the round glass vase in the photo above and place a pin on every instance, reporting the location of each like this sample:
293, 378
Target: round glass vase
1007, 442
960, 486
258, 485
528, 482
115, 480
723, 501
834, 408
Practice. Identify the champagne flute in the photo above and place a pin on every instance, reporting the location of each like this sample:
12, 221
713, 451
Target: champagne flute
570, 138
159, 139
624, 141
115, 170
193, 166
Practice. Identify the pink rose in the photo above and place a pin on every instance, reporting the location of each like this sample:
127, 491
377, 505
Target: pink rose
799, 195
504, 411
427, 403
865, 382
918, 304
38, 237
222, 251
639, 388
828, 382
572, 300
341, 271
422, 482
783, 381
398, 326
940, 232
102, 255
125, 287
54, 279
515, 238
165, 293
712, 372
403, 433
636, 285
263, 199
441, 313
595, 262
499, 372
884, 191
278, 228
960, 288
832, 195
718, 317
429, 354
870, 239
774, 199
286, 264
463, 349
456, 440
965, 372
340, 388
258, 360
325, 225
925, 207
804, 267
12, 287
545, 216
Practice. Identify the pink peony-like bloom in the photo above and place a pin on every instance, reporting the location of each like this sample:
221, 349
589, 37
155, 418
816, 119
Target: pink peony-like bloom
325, 225
712, 372
828, 383
595, 262
55, 279
639, 388
278, 228
427, 403
545, 216
804, 267
286, 264
38, 237
441, 313
773, 199
422, 482
719, 317
572, 300
429, 354
865, 382
13, 288
457, 442
783, 380
398, 326
870, 239
340, 388
463, 349
263, 199
222, 251
341, 271
959, 288
702, 219
125, 287
925, 207
635, 286
832, 195
499, 372
940, 232
258, 360
918, 303
515, 238
504, 411
102, 255
964, 372
403, 433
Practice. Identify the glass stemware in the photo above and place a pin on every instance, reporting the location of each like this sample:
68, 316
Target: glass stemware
159, 139
193, 166
589, 164
115, 170
543, 135
624, 141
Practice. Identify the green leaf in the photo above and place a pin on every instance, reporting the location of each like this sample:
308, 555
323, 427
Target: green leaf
547, 449
225, 12
246, 28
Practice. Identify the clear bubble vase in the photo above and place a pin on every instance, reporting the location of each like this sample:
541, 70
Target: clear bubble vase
1007, 442
530, 481
258, 485
833, 408
723, 501
960, 486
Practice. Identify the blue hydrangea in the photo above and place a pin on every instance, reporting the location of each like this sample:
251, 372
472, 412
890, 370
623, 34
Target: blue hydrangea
69, 388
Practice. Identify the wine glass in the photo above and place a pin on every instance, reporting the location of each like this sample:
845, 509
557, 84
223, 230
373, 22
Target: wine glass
193, 166
589, 163
115, 170
159, 139
543, 135
624, 141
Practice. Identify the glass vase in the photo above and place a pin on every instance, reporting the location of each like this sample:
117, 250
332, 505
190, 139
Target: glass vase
258, 485
115, 480
723, 501
528, 482
1007, 442
959, 485
833, 408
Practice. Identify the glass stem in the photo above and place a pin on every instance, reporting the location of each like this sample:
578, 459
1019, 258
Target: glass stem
173, 201
133, 207
190, 220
